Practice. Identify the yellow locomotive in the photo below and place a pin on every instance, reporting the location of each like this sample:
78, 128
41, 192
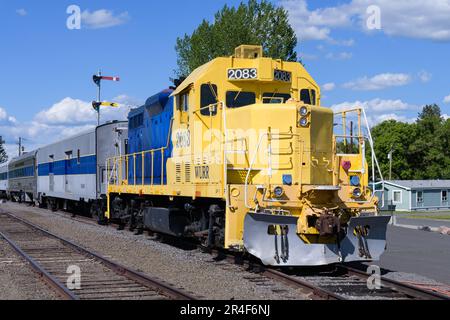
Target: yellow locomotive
243, 156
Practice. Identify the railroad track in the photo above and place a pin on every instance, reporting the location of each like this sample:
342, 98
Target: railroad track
347, 283
340, 283
101, 279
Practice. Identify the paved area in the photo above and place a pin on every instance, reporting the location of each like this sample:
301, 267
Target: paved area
423, 222
418, 252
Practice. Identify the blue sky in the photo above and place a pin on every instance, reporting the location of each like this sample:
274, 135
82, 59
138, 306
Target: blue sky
46, 68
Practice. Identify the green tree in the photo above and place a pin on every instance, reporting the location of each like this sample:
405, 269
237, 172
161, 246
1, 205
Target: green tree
396, 136
426, 155
3, 154
421, 150
255, 23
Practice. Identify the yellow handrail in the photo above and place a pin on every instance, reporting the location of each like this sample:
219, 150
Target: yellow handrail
118, 161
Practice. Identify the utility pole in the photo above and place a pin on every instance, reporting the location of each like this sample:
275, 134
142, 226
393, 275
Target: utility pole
390, 162
20, 146
99, 95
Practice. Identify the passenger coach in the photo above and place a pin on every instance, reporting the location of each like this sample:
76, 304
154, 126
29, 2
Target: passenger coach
72, 172
22, 186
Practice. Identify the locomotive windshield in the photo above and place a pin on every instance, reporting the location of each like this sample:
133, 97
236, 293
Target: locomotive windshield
237, 99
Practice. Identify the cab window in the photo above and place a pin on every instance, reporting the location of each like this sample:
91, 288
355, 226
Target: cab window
183, 101
271, 97
308, 96
208, 96
237, 99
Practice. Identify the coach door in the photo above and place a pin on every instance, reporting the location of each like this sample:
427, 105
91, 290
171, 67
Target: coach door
68, 166
51, 174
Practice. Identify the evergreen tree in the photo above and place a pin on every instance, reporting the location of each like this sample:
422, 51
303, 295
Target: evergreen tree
254, 23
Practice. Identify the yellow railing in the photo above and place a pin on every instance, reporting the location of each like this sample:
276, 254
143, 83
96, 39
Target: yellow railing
362, 138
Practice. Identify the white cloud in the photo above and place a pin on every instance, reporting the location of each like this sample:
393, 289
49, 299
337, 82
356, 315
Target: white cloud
67, 111
447, 99
127, 101
103, 19
379, 110
64, 119
307, 56
375, 105
329, 86
378, 82
339, 56
425, 76
317, 24
423, 19
21, 12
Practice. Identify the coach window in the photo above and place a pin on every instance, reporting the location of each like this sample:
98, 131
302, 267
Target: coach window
78, 157
208, 97
237, 99
51, 161
308, 96
69, 158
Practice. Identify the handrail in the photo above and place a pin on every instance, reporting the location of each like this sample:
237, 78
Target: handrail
375, 163
117, 163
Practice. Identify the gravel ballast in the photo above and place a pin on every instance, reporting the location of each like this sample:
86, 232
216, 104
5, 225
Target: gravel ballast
17, 279
191, 270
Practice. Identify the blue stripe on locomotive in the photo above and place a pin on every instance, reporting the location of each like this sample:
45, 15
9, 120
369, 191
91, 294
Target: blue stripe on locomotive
148, 129
87, 165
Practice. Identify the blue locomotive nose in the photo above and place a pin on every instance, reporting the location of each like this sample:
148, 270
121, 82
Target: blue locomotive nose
149, 128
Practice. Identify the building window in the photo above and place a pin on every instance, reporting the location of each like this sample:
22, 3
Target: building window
444, 196
396, 196
208, 96
419, 196
237, 99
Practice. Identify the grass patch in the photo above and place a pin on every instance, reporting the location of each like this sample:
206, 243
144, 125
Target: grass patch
430, 217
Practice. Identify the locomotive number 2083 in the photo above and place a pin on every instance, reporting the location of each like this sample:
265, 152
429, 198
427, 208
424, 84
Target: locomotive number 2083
242, 74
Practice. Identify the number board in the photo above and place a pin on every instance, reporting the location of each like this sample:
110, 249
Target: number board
243, 74
280, 75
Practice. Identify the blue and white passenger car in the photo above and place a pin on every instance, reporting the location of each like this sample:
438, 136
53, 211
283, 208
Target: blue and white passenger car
3, 181
72, 172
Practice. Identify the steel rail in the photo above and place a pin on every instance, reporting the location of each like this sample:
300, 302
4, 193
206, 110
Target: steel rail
318, 292
159, 286
60, 288
413, 291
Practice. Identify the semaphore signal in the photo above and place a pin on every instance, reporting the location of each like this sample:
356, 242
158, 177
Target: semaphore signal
97, 104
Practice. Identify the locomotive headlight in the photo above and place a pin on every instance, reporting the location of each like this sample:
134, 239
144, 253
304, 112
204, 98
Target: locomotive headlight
304, 122
303, 111
357, 193
278, 192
